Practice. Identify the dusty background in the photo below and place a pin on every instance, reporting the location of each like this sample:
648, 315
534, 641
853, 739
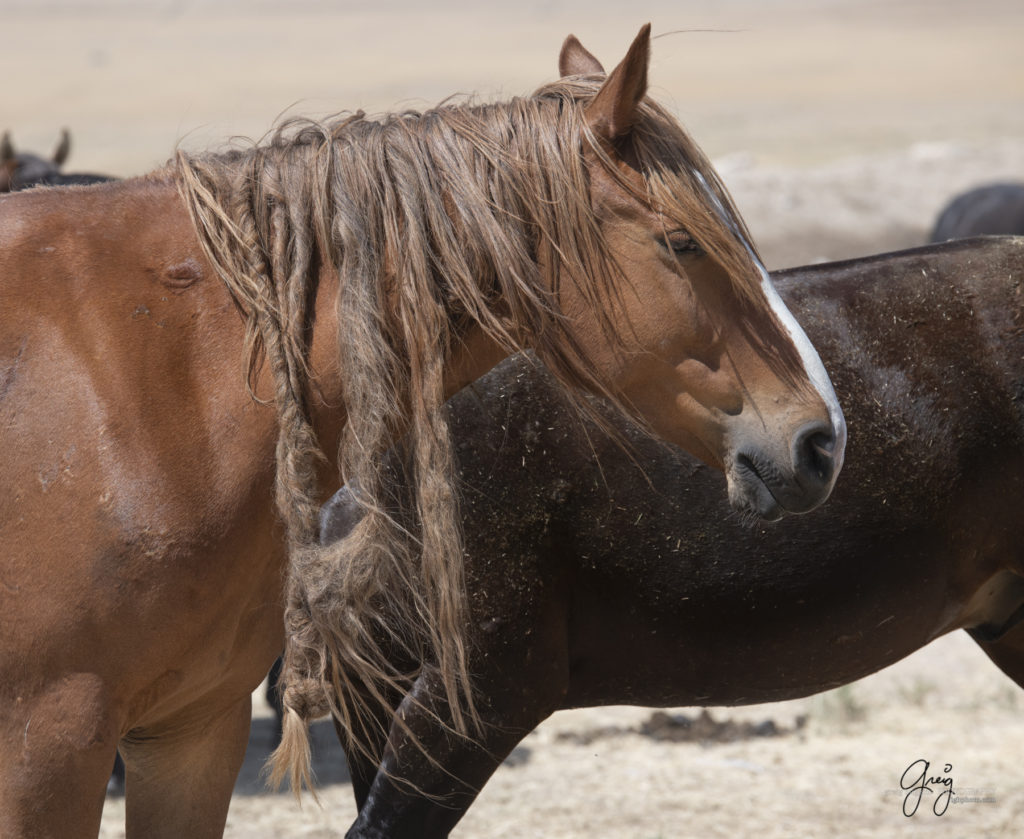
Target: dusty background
842, 127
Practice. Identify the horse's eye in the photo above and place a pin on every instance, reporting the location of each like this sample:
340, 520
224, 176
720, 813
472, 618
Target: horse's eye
680, 242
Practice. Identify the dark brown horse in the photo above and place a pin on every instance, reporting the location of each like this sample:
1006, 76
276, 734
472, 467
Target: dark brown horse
599, 577
365, 270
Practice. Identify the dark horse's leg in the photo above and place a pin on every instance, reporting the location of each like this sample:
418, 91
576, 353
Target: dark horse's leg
115, 786
1006, 651
273, 697
1003, 639
429, 776
363, 763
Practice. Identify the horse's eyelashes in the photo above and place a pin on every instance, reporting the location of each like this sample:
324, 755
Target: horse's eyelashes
680, 242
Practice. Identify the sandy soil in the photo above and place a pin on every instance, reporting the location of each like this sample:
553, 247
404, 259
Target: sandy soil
841, 127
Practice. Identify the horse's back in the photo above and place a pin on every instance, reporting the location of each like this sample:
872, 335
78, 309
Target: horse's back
948, 316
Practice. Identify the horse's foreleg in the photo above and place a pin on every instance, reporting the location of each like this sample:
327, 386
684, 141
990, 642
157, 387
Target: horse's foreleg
429, 776
1006, 651
57, 745
363, 761
180, 777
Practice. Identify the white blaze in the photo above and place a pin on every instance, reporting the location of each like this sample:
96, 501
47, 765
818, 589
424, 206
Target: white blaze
808, 355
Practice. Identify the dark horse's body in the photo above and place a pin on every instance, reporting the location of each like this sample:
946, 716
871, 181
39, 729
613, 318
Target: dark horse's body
595, 585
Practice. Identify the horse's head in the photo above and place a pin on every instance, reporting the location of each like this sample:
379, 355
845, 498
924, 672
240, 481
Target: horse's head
710, 357
19, 170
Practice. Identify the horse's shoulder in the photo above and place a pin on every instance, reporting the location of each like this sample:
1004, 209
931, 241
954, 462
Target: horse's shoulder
86, 223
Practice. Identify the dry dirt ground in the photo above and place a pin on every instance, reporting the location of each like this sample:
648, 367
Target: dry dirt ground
841, 127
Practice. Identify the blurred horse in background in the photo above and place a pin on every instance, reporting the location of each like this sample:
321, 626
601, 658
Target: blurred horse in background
995, 209
21, 170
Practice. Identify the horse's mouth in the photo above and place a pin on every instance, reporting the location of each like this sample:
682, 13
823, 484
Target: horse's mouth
753, 488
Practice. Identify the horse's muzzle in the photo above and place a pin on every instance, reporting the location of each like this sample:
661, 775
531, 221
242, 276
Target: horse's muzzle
770, 488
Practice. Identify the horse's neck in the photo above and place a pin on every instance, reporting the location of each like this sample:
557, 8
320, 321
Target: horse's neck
472, 357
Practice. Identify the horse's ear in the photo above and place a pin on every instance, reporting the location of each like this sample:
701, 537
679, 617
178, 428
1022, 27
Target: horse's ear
6, 148
63, 148
612, 112
576, 60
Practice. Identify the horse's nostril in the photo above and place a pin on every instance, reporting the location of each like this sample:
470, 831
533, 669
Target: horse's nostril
814, 454
819, 449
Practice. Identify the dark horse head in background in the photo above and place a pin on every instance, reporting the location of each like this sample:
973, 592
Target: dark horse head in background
600, 577
21, 170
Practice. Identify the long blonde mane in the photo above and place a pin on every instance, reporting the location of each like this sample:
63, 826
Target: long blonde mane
433, 221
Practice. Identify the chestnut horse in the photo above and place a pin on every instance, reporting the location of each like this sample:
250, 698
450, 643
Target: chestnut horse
361, 271
597, 576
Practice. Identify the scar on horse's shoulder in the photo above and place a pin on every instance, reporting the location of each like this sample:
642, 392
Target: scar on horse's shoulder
180, 275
